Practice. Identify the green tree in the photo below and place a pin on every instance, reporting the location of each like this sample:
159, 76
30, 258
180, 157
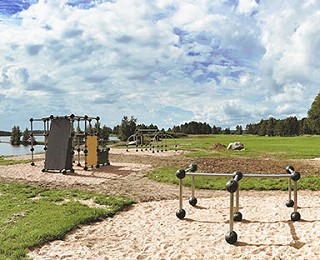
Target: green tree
262, 131
239, 130
270, 127
226, 131
279, 128
304, 126
26, 137
15, 136
216, 130
252, 129
105, 133
116, 130
314, 116
127, 128
176, 129
292, 126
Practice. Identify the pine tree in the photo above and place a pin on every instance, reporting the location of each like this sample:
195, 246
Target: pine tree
127, 128
25, 137
314, 116
15, 136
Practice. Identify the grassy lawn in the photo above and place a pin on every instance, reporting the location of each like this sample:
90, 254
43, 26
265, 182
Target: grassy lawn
299, 147
167, 175
32, 215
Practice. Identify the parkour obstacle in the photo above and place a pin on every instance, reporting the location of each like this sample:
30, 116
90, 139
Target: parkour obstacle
61, 139
232, 187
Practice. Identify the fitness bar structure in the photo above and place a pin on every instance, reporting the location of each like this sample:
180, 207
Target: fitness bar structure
61, 138
151, 140
232, 187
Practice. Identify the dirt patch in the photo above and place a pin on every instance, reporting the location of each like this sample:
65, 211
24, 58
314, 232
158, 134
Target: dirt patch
218, 146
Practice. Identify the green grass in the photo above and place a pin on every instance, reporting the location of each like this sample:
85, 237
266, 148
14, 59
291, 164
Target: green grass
7, 161
32, 215
298, 147
167, 175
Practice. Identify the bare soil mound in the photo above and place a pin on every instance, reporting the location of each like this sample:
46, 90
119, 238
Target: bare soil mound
218, 146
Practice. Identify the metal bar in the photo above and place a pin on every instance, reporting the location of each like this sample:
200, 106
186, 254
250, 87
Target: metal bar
97, 127
267, 175
289, 188
85, 144
83, 118
237, 199
231, 211
295, 195
78, 143
180, 194
45, 132
32, 159
193, 187
210, 174
40, 119
253, 175
72, 136
35, 134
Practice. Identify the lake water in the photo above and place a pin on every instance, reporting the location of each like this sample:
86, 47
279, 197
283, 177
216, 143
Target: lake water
8, 149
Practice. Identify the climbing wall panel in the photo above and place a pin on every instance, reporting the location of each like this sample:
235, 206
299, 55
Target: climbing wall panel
59, 147
92, 146
103, 156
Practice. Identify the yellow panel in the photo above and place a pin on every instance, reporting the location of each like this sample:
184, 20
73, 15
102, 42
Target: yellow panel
92, 146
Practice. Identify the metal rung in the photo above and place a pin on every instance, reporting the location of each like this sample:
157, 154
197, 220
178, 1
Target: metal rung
267, 175
210, 174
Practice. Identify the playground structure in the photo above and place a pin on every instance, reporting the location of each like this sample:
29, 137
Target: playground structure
150, 140
232, 187
61, 139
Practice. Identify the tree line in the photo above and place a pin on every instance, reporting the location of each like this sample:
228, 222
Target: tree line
4, 133
17, 135
289, 126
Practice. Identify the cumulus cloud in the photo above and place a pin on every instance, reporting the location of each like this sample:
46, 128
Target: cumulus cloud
165, 62
289, 34
247, 6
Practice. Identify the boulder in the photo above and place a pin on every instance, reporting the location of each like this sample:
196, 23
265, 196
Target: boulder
236, 146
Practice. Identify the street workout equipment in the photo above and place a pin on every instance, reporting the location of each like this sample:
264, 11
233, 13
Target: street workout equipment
61, 139
151, 140
232, 187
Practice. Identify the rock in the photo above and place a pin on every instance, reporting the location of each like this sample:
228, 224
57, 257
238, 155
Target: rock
236, 146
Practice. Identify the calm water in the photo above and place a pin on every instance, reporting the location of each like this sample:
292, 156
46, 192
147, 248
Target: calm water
8, 149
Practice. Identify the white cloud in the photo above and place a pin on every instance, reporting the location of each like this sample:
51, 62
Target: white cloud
247, 6
290, 36
166, 62
291, 93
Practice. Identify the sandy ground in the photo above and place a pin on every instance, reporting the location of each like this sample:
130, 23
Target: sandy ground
125, 176
150, 228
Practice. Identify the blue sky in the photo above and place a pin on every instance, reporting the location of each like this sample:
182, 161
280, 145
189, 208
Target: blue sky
166, 62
